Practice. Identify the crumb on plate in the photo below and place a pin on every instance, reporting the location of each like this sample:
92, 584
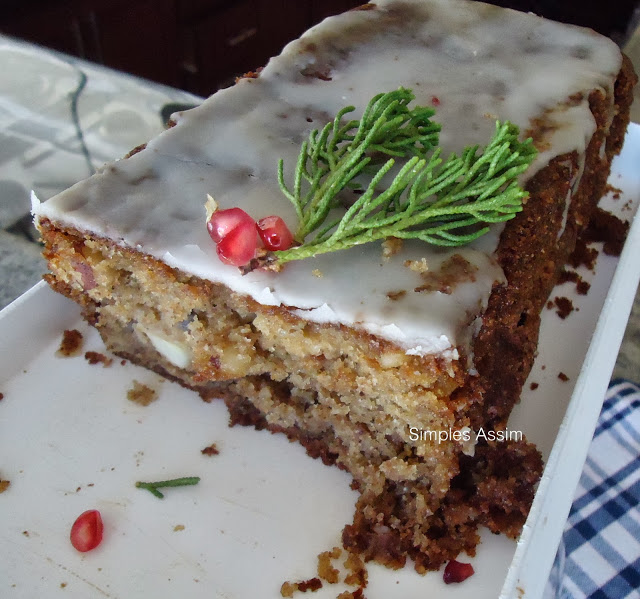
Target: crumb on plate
391, 246
210, 450
141, 394
94, 357
289, 588
71, 343
326, 571
358, 572
564, 305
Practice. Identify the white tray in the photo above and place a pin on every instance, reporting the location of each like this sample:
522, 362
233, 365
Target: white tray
70, 441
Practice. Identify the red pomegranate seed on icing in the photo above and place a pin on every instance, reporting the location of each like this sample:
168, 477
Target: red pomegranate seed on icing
224, 221
238, 247
435, 100
86, 532
457, 572
274, 233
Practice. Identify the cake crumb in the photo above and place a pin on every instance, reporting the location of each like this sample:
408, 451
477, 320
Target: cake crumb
316, 272
420, 266
614, 191
391, 246
71, 343
563, 377
534, 386
583, 255
358, 576
210, 450
357, 594
289, 588
453, 271
313, 585
141, 394
608, 229
63, 585
396, 295
178, 527
325, 570
564, 305
571, 276
94, 357
1, 396
582, 287
4, 485
541, 128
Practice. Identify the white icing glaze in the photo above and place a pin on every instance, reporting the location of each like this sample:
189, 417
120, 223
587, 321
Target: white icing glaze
480, 62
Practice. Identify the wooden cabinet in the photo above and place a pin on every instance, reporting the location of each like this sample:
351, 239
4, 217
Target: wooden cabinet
321, 9
236, 39
138, 37
198, 45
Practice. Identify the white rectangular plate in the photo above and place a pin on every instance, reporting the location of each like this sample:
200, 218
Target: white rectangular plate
70, 440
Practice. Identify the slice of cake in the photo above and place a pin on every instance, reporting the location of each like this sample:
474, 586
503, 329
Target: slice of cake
385, 358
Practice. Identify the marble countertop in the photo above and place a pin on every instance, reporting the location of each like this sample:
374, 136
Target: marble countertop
61, 118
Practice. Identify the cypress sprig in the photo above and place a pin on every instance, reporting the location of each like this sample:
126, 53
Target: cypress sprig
443, 202
332, 158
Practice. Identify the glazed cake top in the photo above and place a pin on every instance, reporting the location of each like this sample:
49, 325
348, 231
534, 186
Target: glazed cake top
476, 62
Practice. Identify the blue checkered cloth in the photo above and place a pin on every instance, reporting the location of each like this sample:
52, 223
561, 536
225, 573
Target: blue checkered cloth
599, 556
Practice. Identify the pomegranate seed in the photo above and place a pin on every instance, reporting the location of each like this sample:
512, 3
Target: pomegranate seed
274, 233
224, 221
238, 247
457, 572
86, 532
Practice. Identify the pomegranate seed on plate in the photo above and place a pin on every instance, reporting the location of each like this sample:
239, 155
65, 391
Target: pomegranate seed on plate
457, 572
86, 532
274, 233
238, 247
222, 222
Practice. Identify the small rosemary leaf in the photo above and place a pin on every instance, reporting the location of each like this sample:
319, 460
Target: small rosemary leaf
153, 487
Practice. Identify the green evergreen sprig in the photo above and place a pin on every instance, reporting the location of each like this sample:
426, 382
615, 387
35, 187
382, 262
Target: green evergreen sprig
332, 158
443, 202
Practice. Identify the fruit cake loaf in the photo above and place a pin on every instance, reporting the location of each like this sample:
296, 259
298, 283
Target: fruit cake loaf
360, 354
